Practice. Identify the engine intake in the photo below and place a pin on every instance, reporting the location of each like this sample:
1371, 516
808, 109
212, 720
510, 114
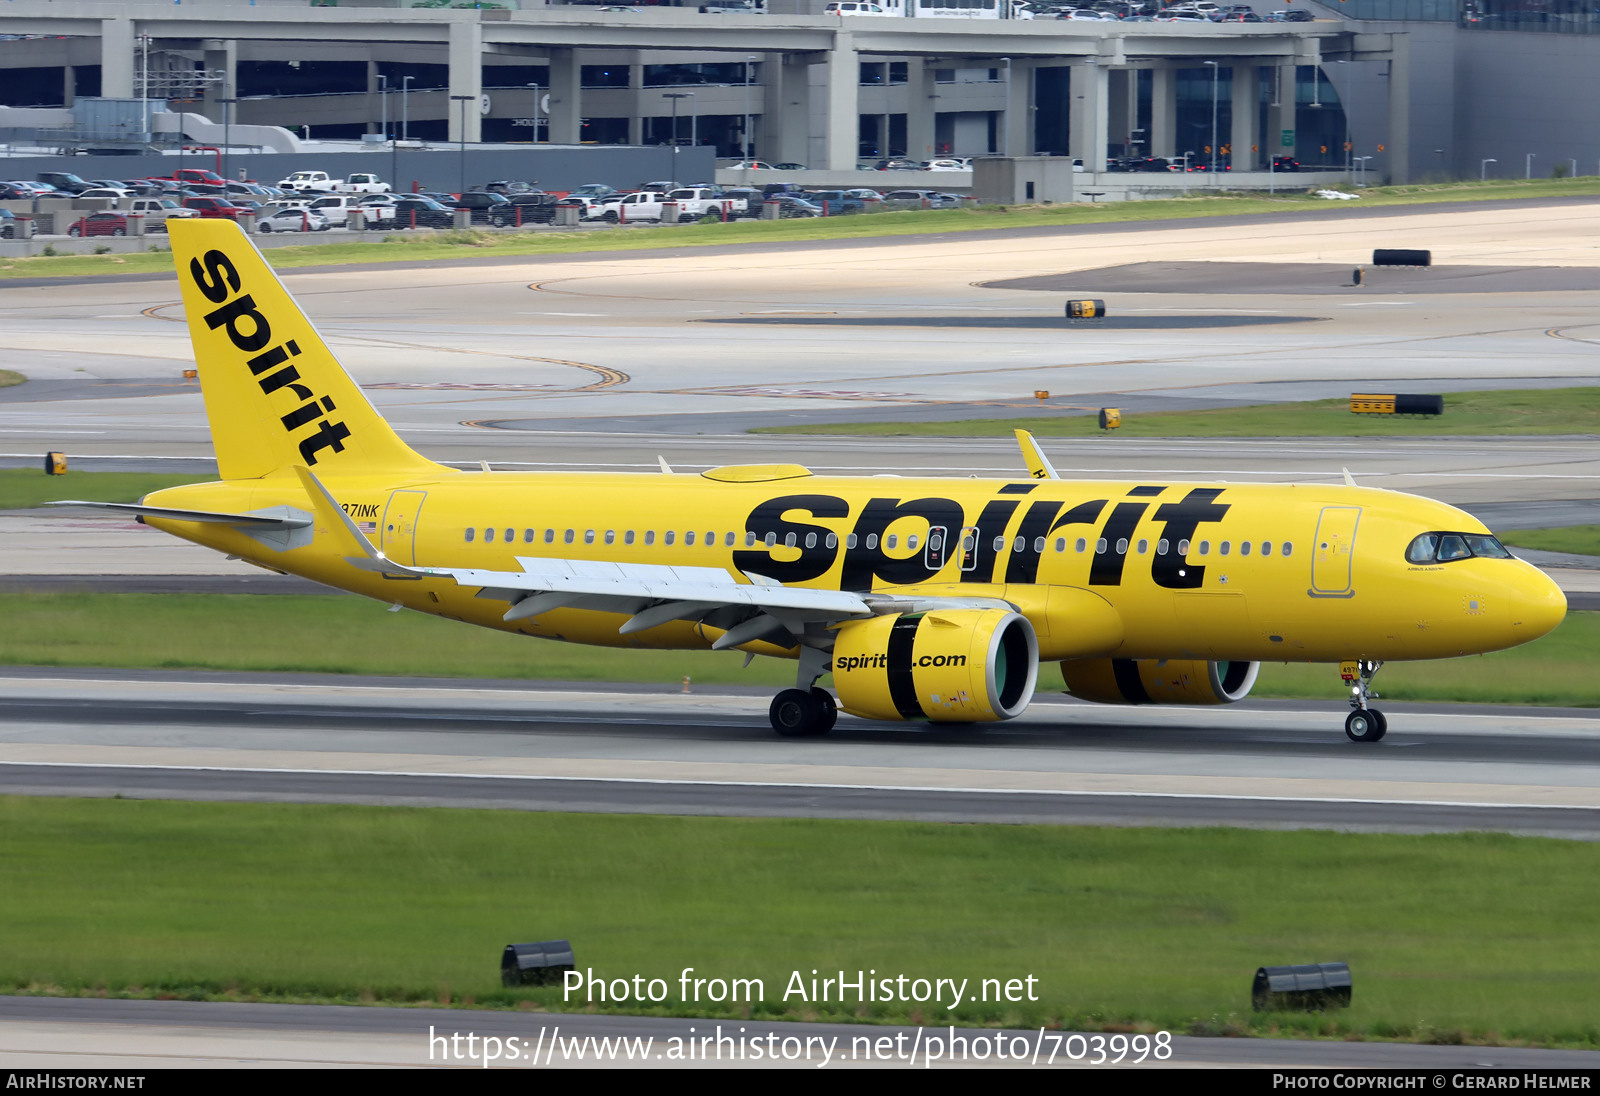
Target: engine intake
1159, 681
961, 666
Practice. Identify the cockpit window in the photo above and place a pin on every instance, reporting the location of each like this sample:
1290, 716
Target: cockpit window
1447, 547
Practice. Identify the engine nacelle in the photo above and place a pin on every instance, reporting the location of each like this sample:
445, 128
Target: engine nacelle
1159, 681
961, 666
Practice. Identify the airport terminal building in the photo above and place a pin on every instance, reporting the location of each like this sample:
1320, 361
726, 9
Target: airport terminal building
1403, 90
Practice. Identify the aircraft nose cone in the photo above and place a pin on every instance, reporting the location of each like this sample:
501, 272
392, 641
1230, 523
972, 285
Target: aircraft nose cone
1541, 607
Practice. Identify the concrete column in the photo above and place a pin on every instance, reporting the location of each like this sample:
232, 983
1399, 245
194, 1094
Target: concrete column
374, 107
1016, 132
116, 58
785, 112
1280, 113
1396, 156
566, 97
919, 109
223, 56
1164, 112
1122, 107
1246, 116
842, 117
69, 85
636, 104
1087, 123
466, 76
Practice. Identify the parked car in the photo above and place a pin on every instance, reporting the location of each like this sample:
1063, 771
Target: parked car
294, 220
100, 224
896, 163
114, 193
337, 207
927, 199
65, 181
1285, 163
8, 224
792, 205
487, 208
788, 167
641, 205
751, 165
593, 191
508, 187
835, 203
947, 164
415, 211
158, 211
214, 207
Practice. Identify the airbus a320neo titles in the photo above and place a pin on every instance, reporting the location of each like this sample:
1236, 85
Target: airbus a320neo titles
929, 599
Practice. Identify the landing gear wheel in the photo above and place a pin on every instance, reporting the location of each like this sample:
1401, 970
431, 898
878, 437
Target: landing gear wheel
830, 709
796, 714
1365, 725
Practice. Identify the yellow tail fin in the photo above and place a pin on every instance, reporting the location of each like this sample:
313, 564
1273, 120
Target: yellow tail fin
275, 394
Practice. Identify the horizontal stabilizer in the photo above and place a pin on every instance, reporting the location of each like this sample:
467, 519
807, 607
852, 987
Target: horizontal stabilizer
244, 521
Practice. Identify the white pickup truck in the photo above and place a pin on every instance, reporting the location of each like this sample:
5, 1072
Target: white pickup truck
157, 211
359, 182
695, 202
337, 207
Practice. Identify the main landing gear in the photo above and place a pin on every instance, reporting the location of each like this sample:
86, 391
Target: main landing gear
1364, 724
806, 711
803, 713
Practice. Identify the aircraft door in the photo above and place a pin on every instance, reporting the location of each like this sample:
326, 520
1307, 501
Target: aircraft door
400, 526
934, 555
1334, 551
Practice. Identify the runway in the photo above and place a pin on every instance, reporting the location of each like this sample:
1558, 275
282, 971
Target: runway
309, 738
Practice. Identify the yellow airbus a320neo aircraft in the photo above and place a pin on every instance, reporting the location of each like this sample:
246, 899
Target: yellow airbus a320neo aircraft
926, 598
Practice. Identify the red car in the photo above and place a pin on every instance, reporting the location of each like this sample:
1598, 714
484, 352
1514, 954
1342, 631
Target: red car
191, 175
100, 224
214, 207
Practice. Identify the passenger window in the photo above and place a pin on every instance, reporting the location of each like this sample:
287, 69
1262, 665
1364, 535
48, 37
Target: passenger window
911, 542
511, 535
789, 540
892, 540
1144, 546
728, 540
999, 544
1100, 547
1288, 549
711, 540
667, 537
1038, 545
1205, 547
1266, 547
832, 541
811, 540
1122, 546
627, 538
872, 541
1019, 544
470, 534
611, 536
1183, 547
1244, 547
649, 536
1224, 547
850, 540
549, 536
567, 536
588, 536
488, 536
688, 539
1161, 546
750, 538
1082, 546
1061, 545
772, 540
527, 536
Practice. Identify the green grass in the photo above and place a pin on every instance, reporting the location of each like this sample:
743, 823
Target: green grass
1583, 540
403, 248
348, 635
10, 377
1451, 938
1511, 411
22, 488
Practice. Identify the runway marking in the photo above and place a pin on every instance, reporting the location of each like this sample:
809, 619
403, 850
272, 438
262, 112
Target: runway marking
804, 786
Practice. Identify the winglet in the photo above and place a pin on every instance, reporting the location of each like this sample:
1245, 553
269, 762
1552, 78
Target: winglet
665, 467
1039, 466
1349, 480
350, 541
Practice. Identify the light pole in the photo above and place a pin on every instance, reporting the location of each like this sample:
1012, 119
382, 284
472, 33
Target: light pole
1483, 169
227, 120
1216, 72
463, 100
394, 153
1528, 171
675, 96
1361, 168
744, 134
405, 107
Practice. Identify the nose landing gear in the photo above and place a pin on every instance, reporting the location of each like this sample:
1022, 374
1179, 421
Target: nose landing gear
1364, 724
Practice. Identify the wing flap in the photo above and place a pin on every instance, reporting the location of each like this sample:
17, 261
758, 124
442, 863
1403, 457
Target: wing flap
244, 521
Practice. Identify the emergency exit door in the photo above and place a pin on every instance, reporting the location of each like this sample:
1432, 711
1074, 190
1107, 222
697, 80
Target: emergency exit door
400, 526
